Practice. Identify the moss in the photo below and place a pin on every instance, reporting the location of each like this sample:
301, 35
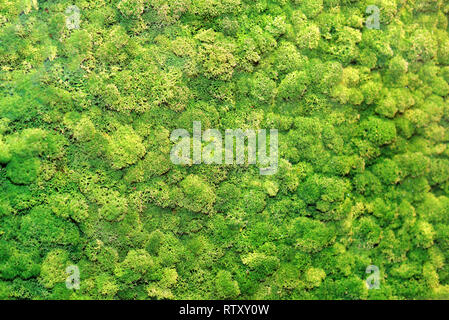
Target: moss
86, 117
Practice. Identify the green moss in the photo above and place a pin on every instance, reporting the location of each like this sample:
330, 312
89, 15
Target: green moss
363, 168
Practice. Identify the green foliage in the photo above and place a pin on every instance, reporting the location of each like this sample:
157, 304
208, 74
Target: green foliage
136, 265
198, 195
311, 236
124, 148
363, 169
23, 171
225, 286
53, 268
261, 264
